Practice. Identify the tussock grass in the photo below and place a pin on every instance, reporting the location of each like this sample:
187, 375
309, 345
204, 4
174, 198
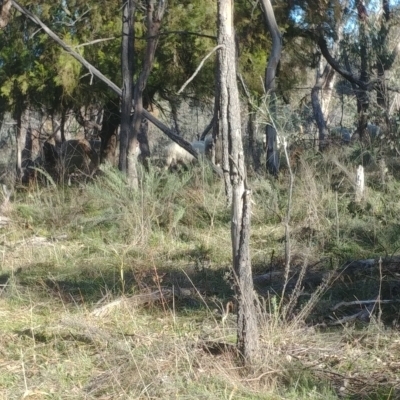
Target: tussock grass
68, 251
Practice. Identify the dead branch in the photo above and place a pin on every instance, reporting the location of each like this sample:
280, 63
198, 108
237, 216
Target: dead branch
140, 299
362, 302
199, 68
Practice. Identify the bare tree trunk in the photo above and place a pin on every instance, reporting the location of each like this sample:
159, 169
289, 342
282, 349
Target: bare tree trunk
216, 134
221, 118
327, 91
270, 85
362, 94
128, 15
62, 123
19, 141
321, 93
247, 329
316, 105
254, 149
154, 17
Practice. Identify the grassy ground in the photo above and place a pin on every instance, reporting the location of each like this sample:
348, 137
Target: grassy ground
108, 294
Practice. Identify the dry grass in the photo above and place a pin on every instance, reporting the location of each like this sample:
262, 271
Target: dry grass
68, 252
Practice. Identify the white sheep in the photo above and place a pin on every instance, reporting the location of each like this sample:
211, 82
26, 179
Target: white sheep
177, 155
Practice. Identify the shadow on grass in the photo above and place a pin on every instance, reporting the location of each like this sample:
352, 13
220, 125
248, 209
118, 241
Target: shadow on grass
88, 285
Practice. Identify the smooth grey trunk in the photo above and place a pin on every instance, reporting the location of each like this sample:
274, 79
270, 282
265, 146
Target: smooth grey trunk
230, 128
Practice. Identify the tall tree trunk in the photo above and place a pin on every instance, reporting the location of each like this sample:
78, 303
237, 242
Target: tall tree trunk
221, 128
321, 93
320, 104
270, 85
247, 329
19, 140
254, 148
62, 123
127, 54
153, 22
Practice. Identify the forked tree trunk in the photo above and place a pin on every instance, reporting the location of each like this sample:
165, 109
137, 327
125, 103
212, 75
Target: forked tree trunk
153, 22
230, 125
321, 93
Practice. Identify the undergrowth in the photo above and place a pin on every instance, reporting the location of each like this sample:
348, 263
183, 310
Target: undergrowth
68, 252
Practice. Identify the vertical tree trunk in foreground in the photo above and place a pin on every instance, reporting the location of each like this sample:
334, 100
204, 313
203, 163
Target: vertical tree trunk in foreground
127, 54
230, 125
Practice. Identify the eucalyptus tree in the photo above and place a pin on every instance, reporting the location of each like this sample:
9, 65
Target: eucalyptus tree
364, 55
240, 195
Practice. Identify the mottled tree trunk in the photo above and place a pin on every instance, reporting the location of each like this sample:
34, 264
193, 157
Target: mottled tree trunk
230, 124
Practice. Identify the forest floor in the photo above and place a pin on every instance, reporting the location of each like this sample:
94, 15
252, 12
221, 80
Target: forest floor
107, 293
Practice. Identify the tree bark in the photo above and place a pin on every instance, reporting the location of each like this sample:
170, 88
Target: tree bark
127, 59
230, 124
154, 17
19, 140
270, 85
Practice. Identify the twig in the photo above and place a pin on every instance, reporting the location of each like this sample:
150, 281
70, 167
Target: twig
94, 42
348, 318
361, 302
198, 68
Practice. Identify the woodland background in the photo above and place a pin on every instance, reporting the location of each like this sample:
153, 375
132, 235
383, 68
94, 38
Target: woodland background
111, 291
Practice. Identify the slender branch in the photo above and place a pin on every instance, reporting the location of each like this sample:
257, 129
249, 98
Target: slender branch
199, 67
94, 42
